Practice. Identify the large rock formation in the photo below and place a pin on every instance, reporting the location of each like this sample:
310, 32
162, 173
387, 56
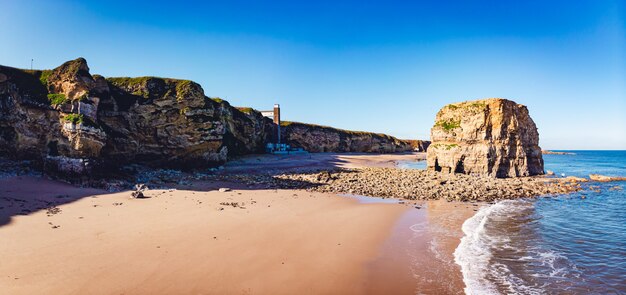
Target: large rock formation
76, 123
315, 138
494, 137
72, 121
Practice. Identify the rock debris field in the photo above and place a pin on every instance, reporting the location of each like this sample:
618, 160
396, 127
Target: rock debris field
415, 184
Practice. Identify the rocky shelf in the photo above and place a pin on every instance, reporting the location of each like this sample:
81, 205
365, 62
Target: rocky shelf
415, 184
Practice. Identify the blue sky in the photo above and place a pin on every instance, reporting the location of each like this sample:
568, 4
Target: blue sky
383, 66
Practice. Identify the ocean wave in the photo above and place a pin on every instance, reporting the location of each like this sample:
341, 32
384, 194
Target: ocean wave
473, 253
499, 253
482, 274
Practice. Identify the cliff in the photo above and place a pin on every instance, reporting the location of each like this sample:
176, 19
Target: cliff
494, 137
78, 124
418, 145
315, 138
74, 122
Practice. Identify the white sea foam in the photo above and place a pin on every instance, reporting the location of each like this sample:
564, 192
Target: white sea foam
482, 273
473, 253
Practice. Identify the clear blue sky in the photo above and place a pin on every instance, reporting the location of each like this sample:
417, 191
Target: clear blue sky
377, 66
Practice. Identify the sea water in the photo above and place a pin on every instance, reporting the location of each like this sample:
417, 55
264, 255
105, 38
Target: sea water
567, 244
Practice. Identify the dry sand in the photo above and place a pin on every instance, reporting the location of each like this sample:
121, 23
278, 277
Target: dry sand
186, 242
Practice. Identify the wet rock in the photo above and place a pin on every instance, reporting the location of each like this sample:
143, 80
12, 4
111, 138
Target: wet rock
604, 178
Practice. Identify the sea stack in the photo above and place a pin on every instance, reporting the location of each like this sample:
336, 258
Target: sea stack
492, 137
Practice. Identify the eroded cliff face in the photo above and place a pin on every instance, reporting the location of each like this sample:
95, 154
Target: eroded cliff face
418, 145
493, 137
315, 139
74, 122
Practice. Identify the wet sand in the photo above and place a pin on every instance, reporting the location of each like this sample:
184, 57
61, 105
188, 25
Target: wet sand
418, 257
194, 241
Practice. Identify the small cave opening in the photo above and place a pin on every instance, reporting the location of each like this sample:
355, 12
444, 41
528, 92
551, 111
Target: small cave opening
460, 168
437, 167
53, 149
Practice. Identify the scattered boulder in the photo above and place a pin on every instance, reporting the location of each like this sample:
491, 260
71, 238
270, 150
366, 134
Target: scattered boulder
224, 189
139, 189
492, 137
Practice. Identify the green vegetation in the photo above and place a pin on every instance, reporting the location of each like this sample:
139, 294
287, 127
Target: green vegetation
449, 124
478, 105
452, 106
28, 83
183, 87
217, 99
44, 77
141, 93
56, 98
447, 147
332, 129
184, 110
127, 81
246, 110
74, 118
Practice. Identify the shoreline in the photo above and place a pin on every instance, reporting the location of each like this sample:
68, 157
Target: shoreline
418, 256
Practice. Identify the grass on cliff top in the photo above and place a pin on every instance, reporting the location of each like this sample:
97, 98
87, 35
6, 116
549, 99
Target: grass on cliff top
128, 81
466, 104
449, 124
182, 87
245, 110
28, 82
332, 129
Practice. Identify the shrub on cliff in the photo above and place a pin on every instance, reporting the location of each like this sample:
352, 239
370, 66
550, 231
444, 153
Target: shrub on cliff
74, 118
56, 98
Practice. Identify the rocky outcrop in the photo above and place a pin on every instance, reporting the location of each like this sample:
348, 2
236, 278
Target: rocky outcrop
78, 124
493, 137
604, 178
315, 138
73, 122
418, 145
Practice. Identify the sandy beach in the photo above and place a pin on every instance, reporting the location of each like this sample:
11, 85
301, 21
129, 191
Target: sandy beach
59, 239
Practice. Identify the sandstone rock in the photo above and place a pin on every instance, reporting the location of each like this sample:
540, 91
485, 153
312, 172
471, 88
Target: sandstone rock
66, 113
604, 178
418, 145
71, 79
317, 139
77, 123
493, 137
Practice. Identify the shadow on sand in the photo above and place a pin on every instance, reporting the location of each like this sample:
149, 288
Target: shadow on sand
24, 195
